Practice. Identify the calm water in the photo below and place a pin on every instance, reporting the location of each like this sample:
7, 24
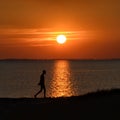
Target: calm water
63, 78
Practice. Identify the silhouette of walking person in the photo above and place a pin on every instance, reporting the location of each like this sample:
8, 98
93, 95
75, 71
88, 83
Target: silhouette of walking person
42, 84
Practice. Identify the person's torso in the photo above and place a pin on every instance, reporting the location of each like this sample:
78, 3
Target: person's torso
42, 79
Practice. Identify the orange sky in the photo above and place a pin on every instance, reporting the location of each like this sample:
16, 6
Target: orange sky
28, 29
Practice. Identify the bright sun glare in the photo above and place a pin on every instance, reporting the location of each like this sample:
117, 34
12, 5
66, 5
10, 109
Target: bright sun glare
61, 39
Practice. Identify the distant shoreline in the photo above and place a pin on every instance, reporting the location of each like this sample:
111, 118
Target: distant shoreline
10, 59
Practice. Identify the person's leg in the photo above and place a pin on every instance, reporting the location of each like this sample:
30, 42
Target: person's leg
44, 92
38, 92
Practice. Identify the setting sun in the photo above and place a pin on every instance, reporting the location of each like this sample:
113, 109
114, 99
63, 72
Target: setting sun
61, 39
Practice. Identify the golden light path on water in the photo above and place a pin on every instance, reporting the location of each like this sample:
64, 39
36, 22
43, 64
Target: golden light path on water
61, 84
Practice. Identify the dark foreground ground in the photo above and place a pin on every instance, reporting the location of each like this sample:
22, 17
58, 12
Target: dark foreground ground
102, 105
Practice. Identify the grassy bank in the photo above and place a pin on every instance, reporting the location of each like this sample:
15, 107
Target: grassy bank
99, 105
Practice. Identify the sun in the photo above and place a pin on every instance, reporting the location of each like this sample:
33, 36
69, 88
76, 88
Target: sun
61, 39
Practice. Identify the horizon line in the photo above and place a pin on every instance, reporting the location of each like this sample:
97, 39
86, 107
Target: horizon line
30, 59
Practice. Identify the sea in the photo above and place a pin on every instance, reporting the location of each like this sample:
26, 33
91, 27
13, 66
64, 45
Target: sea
64, 78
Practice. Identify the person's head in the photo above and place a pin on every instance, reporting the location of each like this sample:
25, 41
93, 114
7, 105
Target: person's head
44, 71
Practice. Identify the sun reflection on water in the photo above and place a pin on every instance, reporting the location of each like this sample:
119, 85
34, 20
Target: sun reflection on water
61, 83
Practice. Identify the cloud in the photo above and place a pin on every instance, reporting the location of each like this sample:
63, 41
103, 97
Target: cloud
35, 37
